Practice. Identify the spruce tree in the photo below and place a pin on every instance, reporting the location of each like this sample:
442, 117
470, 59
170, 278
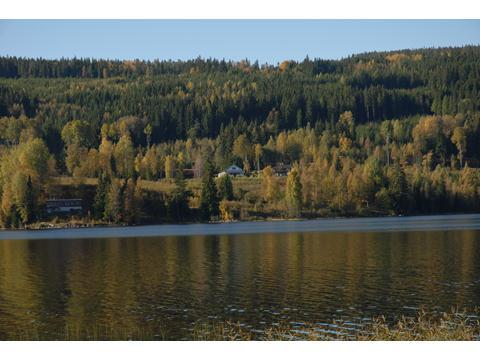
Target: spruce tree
14, 220
130, 206
398, 189
209, 200
29, 206
178, 203
101, 194
225, 188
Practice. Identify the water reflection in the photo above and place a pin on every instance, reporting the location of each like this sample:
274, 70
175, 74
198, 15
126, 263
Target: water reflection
172, 282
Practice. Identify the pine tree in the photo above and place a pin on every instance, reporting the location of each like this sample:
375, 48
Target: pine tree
30, 200
14, 220
225, 188
398, 189
177, 206
208, 199
130, 206
101, 195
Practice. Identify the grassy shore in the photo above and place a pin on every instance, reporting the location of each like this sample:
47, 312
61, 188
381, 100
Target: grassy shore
422, 327
248, 205
449, 326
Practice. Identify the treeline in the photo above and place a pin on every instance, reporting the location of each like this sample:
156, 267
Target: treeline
195, 99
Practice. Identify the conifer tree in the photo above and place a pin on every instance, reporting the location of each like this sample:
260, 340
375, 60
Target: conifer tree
14, 220
178, 208
208, 199
130, 206
398, 189
30, 199
225, 188
101, 195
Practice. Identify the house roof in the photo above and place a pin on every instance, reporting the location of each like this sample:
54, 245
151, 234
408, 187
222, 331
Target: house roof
234, 167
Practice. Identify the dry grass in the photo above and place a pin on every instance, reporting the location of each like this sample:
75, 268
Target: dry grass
449, 326
76, 332
423, 326
164, 186
249, 184
73, 181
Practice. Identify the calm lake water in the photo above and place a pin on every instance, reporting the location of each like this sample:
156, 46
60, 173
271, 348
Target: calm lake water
168, 278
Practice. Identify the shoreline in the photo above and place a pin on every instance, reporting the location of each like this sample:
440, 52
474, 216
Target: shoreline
322, 225
422, 326
86, 224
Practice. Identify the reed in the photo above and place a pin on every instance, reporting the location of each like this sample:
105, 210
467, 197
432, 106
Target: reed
453, 325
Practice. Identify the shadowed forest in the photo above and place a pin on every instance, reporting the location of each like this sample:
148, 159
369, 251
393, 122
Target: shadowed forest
142, 142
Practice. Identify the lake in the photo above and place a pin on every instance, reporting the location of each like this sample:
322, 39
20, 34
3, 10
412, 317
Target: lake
163, 280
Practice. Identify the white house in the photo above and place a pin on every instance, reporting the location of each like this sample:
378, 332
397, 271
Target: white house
232, 170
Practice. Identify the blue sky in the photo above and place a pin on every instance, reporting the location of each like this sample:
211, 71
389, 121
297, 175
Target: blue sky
264, 40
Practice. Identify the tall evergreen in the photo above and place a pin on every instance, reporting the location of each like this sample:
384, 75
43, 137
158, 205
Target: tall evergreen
103, 186
209, 201
14, 219
178, 208
398, 189
130, 211
30, 199
225, 188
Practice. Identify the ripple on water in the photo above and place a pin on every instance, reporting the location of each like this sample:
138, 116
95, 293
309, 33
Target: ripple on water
295, 278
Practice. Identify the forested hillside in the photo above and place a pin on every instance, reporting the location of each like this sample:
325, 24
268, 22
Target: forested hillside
376, 133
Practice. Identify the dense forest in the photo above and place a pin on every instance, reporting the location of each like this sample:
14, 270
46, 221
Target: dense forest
372, 134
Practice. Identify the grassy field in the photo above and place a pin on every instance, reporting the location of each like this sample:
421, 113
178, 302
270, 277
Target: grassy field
71, 181
246, 184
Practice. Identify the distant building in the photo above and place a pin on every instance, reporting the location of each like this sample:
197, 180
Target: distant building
188, 173
232, 170
64, 206
282, 169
